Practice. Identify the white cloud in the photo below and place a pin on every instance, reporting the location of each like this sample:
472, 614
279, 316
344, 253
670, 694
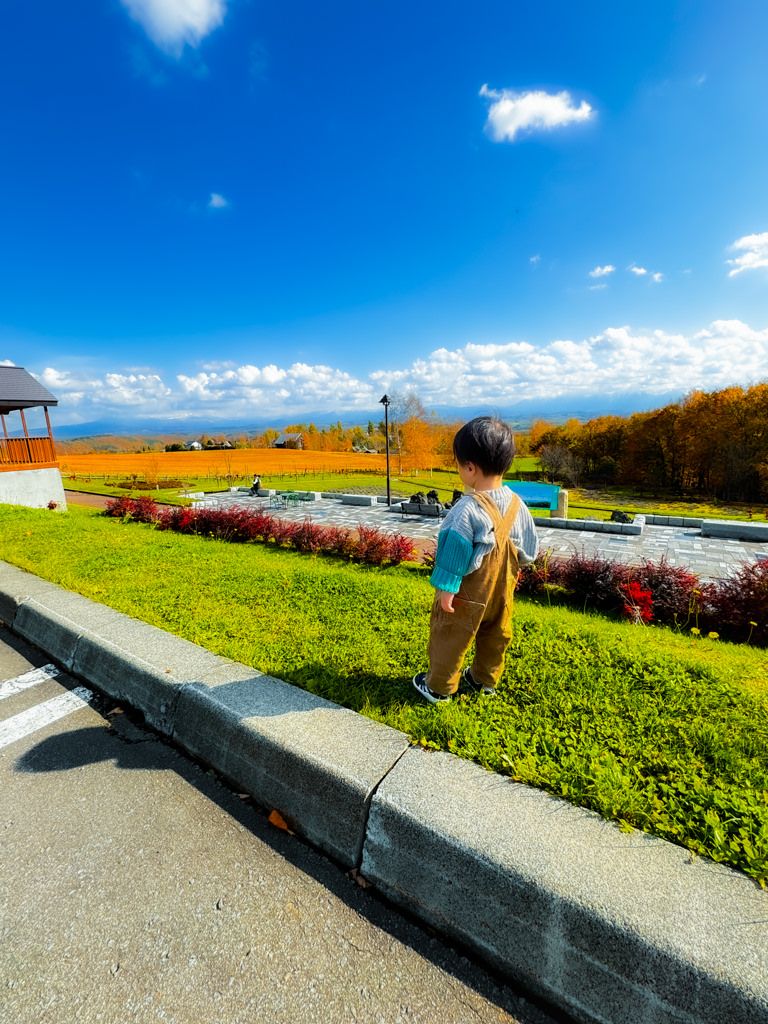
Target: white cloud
7, 362
598, 287
754, 249
602, 271
217, 202
653, 275
535, 259
618, 360
173, 24
512, 113
615, 361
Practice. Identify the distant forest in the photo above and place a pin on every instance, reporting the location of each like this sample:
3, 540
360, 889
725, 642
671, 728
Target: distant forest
713, 444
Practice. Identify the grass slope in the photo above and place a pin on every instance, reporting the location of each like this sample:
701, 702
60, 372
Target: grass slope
650, 728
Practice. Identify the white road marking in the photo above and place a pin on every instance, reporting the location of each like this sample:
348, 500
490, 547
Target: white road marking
37, 675
32, 719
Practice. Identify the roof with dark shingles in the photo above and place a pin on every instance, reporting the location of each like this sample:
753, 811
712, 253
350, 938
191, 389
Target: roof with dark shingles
20, 390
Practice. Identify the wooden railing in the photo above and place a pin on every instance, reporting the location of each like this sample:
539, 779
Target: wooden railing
26, 451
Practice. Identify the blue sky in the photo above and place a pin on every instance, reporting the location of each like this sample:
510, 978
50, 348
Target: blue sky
216, 207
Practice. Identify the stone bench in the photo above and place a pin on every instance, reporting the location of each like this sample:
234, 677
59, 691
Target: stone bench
369, 500
734, 529
634, 529
693, 521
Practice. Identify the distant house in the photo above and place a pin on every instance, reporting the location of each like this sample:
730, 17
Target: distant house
289, 441
193, 446
29, 470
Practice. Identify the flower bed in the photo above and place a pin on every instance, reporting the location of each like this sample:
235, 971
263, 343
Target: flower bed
239, 526
735, 608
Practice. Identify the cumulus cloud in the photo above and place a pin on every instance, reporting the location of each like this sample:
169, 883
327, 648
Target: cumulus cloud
512, 113
7, 362
174, 24
298, 388
142, 393
615, 361
535, 259
217, 202
618, 360
754, 253
653, 275
602, 271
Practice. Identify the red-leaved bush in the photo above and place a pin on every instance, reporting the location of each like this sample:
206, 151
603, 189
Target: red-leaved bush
638, 603
240, 526
737, 606
140, 510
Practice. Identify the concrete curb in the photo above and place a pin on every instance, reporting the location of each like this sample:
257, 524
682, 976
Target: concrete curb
614, 928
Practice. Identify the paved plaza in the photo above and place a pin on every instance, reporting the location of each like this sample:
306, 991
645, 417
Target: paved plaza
708, 557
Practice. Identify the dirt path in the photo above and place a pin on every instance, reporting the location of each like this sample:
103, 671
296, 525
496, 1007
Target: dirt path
83, 498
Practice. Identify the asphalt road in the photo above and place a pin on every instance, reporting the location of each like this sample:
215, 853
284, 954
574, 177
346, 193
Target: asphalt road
136, 886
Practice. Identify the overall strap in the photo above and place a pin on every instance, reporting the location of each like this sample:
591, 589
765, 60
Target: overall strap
501, 524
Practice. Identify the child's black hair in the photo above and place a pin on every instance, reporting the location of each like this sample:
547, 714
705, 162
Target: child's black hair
486, 441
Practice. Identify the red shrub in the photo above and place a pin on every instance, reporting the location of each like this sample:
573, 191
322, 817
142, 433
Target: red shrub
176, 518
672, 588
340, 541
282, 531
638, 605
545, 571
372, 545
140, 510
737, 606
400, 549
309, 537
594, 581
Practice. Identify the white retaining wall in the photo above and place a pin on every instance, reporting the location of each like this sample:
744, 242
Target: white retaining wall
34, 488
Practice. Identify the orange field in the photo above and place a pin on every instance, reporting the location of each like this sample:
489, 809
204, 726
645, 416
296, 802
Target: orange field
238, 462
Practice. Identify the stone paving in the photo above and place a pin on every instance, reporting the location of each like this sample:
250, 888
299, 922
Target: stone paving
708, 557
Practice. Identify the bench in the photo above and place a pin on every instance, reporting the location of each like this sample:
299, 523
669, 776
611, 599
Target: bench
734, 529
368, 500
418, 508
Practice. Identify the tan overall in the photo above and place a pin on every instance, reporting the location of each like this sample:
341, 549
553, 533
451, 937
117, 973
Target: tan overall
482, 611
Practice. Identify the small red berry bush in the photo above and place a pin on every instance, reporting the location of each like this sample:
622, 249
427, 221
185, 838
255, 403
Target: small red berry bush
734, 608
241, 526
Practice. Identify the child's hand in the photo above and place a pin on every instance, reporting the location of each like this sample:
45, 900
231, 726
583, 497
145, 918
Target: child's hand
446, 601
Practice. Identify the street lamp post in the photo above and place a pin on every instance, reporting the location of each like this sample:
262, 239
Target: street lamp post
384, 400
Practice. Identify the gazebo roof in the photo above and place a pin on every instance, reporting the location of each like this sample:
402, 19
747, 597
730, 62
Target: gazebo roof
20, 390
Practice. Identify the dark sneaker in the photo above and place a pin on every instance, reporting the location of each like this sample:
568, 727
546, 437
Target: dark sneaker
473, 684
420, 685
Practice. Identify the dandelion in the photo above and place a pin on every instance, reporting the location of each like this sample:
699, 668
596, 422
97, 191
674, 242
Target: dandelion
695, 630
713, 636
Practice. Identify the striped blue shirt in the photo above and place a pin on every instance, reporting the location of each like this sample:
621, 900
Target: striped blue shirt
466, 537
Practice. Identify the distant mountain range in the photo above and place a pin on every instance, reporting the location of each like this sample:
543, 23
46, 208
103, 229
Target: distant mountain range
520, 415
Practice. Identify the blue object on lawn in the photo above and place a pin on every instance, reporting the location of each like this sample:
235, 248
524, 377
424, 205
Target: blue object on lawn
535, 495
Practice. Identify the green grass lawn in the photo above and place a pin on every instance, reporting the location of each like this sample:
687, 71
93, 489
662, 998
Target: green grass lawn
650, 728
588, 501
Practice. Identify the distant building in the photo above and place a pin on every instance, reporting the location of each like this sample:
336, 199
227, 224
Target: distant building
193, 446
29, 470
289, 441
